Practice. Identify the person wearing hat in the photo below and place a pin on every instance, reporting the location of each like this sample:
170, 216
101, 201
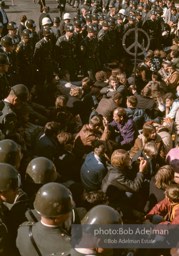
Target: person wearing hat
3, 17
153, 28
4, 82
8, 47
12, 32
66, 51
31, 25
45, 13
90, 53
56, 27
103, 41
24, 55
44, 58
66, 20
48, 236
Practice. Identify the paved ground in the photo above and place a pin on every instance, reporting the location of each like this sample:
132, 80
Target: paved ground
31, 10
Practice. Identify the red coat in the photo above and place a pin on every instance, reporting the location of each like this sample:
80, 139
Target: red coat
169, 211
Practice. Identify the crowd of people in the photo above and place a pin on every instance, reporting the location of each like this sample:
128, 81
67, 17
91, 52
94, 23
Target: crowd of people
88, 134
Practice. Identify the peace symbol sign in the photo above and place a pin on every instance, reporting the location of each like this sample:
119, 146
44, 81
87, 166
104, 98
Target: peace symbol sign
140, 44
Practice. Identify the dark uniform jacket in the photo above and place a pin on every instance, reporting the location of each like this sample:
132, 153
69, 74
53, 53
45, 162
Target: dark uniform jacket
48, 240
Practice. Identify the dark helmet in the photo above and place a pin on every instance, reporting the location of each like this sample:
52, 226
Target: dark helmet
8, 177
7, 41
47, 31
30, 24
4, 60
69, 27
41, 170
21, 91
52, 200
12, 25
102, 214
56, 20
26, 33
10, 152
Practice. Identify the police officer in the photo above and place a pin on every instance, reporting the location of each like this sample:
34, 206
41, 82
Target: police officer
153, 28
15, 200
39, 171
54, 204
90, 53
66, 51
10, 153
4, 83
12, 32
103, 41
24, 53
8, 120
98, 215
8, 47
56, 27
44, 58
30, 24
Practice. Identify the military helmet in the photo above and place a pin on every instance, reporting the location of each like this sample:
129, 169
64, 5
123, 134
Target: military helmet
46, 21
30, 24
10, 152
102, 214
27, 33
21, 91
47, 31
7, 41
69, 28
41, 170
52, 200
56, 20
4, 60
8, 177
12, 25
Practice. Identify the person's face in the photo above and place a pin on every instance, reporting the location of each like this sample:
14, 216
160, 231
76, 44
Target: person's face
8, 196
176, 177
153, 135
117, 118
168, 103
100, 150
127, 161
113, 84
69, 34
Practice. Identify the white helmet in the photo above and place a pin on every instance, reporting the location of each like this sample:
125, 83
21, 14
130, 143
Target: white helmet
67, 16
46, 21
122, 11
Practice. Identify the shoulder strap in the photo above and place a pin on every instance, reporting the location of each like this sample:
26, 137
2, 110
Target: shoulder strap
33, 241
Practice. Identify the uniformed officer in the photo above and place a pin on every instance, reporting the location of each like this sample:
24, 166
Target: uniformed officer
103, 41
4, 83
66, 51
39, 171
56, 27
8, 120
98, 215
54, 204
15, 200
24, 53
12, 32
153, 28
44, 58
8, 47
30, 24
90, 53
